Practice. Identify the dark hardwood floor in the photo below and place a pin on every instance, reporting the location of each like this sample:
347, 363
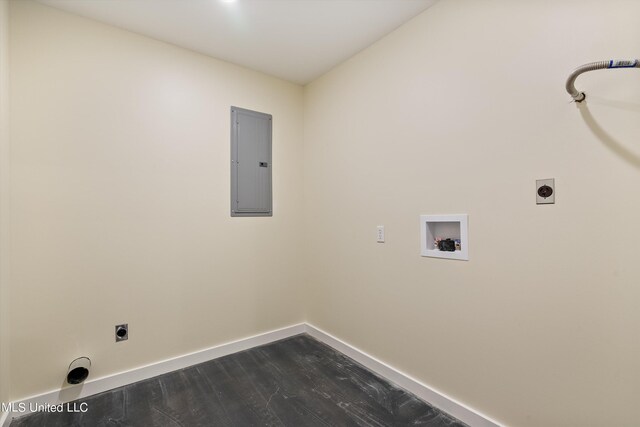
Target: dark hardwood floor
294, 382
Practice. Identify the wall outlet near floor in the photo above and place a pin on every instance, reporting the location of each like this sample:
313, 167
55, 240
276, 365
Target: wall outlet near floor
380, 236
122, 332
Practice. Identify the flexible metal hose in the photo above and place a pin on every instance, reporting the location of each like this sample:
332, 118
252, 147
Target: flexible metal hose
600, 65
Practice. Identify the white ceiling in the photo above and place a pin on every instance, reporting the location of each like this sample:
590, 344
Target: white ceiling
297, 40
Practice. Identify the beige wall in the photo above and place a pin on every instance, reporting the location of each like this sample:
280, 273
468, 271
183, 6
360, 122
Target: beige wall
460, 111
4, 175
120, 201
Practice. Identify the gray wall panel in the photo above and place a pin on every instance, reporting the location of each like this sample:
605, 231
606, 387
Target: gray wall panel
251, 188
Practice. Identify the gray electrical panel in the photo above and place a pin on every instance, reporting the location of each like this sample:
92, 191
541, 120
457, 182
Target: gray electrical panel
251, 191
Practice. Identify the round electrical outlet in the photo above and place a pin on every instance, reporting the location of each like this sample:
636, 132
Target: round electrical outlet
545, 191
122, 332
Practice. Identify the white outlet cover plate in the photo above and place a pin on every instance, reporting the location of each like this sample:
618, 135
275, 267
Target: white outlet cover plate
548, 200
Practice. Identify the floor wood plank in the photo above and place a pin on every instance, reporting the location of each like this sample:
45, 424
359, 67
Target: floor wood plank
295, 382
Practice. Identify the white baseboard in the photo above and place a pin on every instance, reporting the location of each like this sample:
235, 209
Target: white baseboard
120, 379
423, 391
99, 385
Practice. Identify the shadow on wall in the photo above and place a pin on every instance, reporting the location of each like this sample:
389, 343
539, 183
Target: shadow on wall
614, 145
